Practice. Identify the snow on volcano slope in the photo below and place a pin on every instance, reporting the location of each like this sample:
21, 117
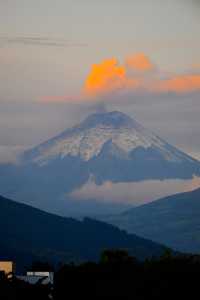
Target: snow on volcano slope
88, 138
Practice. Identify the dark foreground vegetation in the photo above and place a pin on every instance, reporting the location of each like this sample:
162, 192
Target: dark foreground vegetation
116, 276
15, 289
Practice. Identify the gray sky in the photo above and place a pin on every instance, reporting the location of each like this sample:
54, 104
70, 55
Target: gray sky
47, 48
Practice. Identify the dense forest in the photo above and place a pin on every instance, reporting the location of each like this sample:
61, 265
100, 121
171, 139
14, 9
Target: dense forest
116, 276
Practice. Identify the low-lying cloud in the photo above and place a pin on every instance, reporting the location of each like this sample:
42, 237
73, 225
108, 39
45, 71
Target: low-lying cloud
9, 154
134, 193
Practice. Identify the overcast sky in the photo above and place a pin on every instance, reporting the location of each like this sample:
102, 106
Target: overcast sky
47, 48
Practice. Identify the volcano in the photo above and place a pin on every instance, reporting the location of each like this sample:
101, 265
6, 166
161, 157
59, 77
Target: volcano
112, 146
109, 146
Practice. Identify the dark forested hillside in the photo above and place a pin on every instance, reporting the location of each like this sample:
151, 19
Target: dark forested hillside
28, 234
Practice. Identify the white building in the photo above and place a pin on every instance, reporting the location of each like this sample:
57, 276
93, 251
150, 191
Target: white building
33, 277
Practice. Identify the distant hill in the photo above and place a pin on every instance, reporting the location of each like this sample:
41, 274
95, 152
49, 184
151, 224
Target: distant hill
29, 234
174, 221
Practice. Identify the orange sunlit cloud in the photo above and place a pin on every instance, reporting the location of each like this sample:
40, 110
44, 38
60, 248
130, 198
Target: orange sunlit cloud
178, 84
196, 66
107, 77
139, 62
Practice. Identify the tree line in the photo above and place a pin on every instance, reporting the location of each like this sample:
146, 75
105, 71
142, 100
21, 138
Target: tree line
117, 275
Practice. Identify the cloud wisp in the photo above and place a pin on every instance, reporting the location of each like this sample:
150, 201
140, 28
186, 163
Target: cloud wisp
40, 41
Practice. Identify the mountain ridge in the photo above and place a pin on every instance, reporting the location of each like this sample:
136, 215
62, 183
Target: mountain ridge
173, 219
29, 234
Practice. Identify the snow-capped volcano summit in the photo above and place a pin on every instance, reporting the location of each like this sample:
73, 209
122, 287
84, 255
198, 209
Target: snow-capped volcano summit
115, 119
88, 139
